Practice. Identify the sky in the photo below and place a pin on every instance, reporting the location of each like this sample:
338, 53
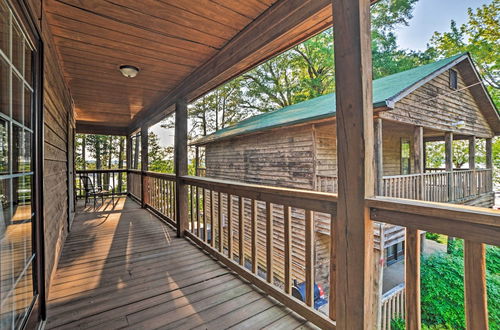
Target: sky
428, 16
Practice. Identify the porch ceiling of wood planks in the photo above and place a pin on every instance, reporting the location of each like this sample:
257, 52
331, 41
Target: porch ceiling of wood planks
183, 48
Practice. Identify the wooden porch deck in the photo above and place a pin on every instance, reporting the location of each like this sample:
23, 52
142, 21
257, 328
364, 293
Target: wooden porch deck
121, 267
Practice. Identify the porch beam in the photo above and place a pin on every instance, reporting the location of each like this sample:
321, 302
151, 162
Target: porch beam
181, 166
89, 128
354, 231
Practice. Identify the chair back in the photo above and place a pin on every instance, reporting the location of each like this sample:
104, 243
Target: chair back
88, 186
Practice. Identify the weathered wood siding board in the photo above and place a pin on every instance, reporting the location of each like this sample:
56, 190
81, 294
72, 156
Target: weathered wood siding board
326, 148
391, 140
435, 105
281, 158
57, 107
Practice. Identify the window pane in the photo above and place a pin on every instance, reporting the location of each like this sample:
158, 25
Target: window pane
4, 28
17, 97
28, 60
17, 149
27, 107
5, 204
4, 146
4, 87
17, 47
26, 161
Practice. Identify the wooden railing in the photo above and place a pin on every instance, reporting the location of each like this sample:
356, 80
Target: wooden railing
435, 186
249, 228
134, 183
238, 224
160, 194
392, 306
112, 181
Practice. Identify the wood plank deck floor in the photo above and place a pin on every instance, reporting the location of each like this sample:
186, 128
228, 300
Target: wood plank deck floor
121, 267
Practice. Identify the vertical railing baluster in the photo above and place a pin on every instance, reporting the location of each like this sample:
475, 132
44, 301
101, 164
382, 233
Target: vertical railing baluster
254, 236
197, 191
205, 215
230, 226
269, 242
241, 230
309, 232
212, 217
288, 248
219, 224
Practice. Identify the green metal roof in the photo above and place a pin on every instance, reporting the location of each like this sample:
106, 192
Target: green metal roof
386, 91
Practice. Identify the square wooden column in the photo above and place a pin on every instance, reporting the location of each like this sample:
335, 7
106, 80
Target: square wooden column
418, 159
181, 166
489, 159
144, 165
472, 163
128, 157
352, 235
448, 149
379, 157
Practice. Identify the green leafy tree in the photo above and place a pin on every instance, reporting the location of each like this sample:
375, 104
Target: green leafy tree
160, 159
480, 37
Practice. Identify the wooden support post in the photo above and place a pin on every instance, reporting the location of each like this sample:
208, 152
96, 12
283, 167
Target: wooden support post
489, 160
448, 147
181, 167
269, 243
197, 161
288, 248
128, 155
379, 160
136, 152
472, 164
412, 279
418, 159
476, 307
144, 166
354, 234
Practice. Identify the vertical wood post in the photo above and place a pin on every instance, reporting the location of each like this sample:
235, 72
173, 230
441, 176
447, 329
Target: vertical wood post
489, 161
379, 160
476, 306
144, 165
418, 159
448, 147
197, 161
181, 167
352, 43
412, 279
128, 155
472, 164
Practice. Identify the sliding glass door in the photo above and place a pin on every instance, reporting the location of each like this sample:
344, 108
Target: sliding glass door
17, 253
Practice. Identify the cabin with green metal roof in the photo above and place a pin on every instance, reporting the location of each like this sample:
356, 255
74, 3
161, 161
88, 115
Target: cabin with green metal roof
295, 146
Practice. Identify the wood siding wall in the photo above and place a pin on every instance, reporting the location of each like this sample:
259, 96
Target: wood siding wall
58, 109
278, 158
435, 105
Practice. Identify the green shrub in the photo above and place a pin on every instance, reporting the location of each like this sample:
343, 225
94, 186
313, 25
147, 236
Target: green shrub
398, 324
442, 288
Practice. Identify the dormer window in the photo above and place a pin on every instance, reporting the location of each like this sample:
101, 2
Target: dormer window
453, 79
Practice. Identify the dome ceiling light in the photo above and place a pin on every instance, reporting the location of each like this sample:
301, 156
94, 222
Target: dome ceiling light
129, 71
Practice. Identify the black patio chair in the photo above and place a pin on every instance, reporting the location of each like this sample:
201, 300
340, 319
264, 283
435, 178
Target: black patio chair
94, 192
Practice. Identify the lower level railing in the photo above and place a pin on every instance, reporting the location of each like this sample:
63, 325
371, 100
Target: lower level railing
253, 230
392, 306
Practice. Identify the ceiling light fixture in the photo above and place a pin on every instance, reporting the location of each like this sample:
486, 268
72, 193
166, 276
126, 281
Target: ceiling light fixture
129, 71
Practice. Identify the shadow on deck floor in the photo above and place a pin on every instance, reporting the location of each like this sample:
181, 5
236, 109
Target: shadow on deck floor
121, 267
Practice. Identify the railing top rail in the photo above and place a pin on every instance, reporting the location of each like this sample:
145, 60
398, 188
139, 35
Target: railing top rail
305, 199
134, 171
168, 176
468, 222
393, 291
101, 171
